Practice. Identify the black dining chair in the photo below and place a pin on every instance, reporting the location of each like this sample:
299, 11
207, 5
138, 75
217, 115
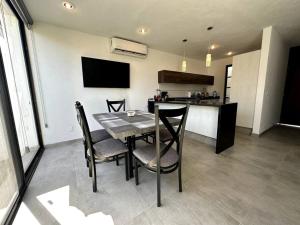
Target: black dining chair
118, 104
111, 107
103, 151
164, 136
162, 158
96, 135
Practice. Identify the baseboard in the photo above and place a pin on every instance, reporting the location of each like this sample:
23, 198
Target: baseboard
59, 144
265, 131
244, 130
212, 141
200, 137
262, 133
255, 135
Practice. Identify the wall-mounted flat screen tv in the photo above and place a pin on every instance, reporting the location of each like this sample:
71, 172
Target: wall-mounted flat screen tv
105, 73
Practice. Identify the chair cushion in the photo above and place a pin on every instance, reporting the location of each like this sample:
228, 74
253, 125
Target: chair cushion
165, 135
99, 135
108, 148
148, 153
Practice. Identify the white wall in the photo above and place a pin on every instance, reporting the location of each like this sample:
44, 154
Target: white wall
58, 54
218, 69
270, 87
243, 86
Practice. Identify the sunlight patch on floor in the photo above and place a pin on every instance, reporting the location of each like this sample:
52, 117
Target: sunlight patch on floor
57, 203
25, 216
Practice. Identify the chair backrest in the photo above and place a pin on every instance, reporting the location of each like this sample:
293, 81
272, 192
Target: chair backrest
177, 132
79, 119
110, 105
85, 127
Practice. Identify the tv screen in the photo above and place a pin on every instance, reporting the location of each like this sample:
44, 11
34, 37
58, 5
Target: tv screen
105, 73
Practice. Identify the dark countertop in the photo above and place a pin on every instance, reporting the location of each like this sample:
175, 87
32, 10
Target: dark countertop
214, 102
209, 102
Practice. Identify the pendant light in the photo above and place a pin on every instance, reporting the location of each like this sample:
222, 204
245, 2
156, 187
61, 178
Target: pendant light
184, 63
208, 60
208, 55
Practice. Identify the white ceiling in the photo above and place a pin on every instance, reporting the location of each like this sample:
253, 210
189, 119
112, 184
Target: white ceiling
238, 24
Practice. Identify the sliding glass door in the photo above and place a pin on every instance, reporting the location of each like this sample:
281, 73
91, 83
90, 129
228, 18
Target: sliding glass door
19, 139
8, 182
17, 80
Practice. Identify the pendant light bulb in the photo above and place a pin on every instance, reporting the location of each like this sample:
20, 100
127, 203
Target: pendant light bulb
184, 62
208, 60
183, 66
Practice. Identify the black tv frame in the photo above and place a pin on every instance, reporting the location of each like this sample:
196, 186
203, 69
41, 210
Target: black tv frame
99, 82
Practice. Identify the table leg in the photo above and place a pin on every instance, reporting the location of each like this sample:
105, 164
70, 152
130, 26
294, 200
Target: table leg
130, 150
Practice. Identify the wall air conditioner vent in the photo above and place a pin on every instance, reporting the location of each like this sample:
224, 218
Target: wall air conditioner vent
125, 47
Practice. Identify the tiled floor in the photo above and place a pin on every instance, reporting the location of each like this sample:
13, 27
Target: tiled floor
256, 182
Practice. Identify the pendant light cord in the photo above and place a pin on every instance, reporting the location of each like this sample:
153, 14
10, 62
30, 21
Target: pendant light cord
184, 48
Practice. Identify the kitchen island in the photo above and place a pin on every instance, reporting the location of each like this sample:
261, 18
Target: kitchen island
208, 118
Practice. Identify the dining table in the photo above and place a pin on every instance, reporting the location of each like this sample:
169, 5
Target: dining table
121, 126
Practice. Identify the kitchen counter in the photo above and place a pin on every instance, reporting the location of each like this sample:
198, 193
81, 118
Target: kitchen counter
209, 118
212, 102
208, 101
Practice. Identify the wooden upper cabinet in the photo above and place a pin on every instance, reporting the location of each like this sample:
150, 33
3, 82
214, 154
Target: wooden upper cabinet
167, 76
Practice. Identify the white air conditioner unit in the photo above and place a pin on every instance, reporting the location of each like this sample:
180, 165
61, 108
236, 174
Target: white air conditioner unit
125, 47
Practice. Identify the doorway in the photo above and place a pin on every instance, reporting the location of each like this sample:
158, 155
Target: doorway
227, 85
290, 112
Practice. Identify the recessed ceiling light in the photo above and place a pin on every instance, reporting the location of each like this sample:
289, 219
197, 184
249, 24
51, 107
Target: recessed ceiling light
143, 30
229, 53
68, 5
212, 47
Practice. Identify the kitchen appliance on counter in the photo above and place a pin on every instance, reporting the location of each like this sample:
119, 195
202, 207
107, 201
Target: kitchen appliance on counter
215, 94
201, 95
164, 95
161, 95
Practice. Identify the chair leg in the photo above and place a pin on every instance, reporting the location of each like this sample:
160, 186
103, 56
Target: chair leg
117, 160
136, 172
126, 167
90, 168
94, 177
85, 153
133, 142
179, 178
158, 188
